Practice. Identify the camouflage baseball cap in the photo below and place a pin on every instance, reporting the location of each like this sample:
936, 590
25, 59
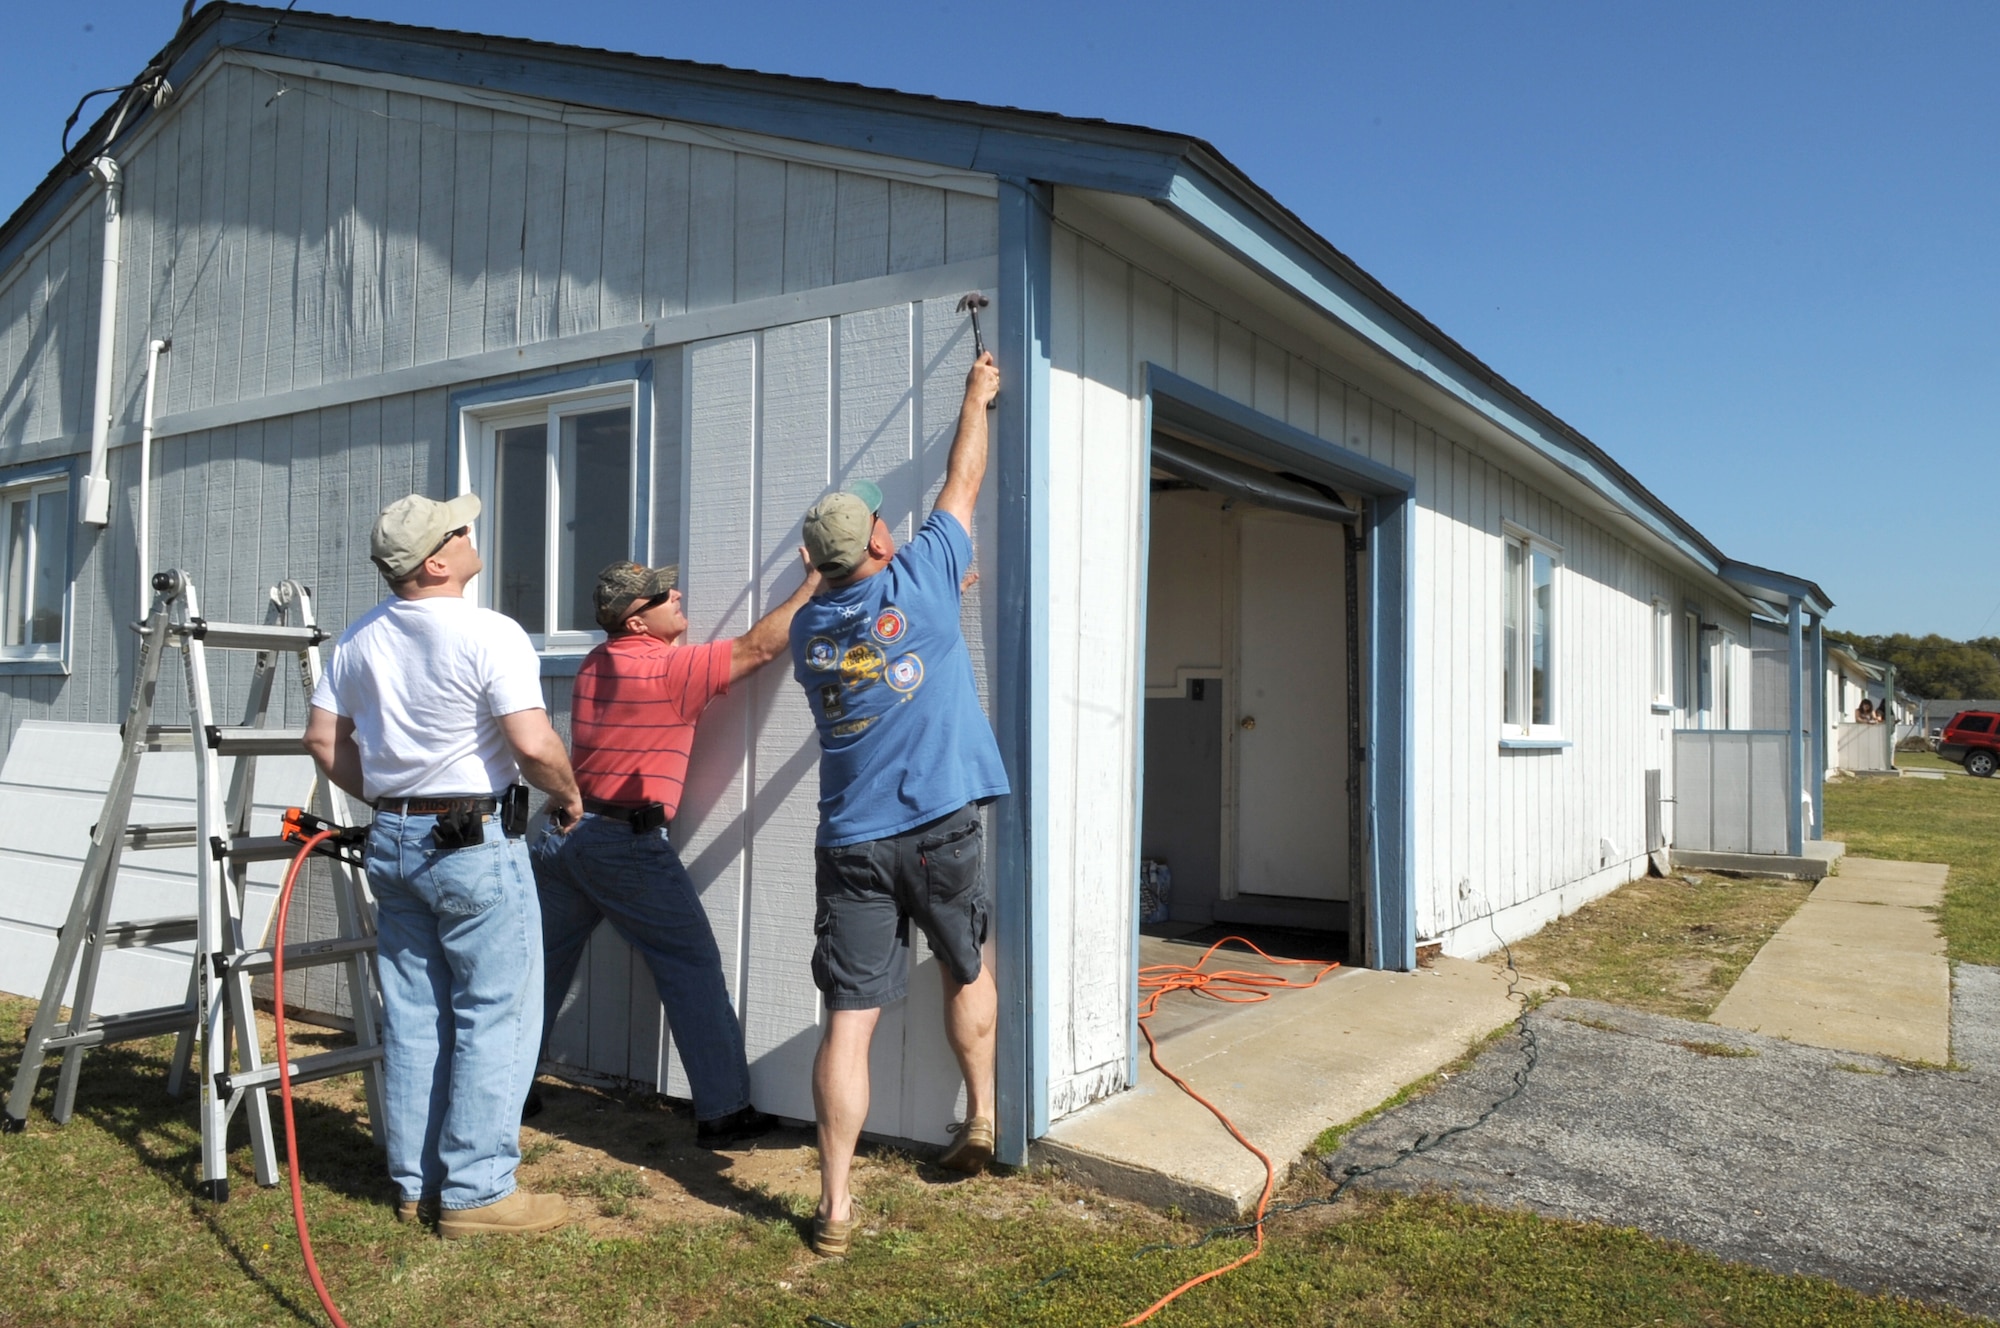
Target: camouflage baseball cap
837, 527
623, 587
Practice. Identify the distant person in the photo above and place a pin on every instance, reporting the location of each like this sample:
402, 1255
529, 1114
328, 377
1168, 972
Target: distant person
1866, 713
906, 758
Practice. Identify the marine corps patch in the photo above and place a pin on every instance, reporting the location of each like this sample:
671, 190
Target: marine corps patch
890, 625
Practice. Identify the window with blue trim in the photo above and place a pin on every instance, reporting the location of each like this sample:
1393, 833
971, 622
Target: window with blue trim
1528, 637
34, 568
555, 476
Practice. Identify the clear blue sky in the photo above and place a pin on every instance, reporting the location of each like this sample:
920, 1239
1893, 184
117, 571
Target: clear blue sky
1753, 251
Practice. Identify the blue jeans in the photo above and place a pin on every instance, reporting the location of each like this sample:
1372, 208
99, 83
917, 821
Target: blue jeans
601, 869
460, 961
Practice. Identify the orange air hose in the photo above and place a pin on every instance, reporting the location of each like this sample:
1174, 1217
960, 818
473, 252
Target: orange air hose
285, 1075
1235, 987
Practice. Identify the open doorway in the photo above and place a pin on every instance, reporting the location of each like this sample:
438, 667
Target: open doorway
1251, 784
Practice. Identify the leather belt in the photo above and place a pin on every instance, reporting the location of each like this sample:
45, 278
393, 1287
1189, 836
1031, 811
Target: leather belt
483, 804
641, 816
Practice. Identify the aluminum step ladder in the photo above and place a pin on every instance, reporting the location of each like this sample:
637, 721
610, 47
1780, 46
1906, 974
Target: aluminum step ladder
218, 1010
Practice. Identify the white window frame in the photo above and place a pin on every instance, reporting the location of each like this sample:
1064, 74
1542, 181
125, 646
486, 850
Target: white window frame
1663, 656
37, 488
1524, 728
479, 430
1723, 673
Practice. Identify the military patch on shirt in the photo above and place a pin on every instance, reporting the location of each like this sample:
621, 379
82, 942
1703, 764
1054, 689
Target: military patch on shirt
861, 665
890, 626
906, 674
830, 702
853, 726
822, 653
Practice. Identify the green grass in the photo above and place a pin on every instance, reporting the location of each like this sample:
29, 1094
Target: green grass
1955, 820
98, 1225
1669, 945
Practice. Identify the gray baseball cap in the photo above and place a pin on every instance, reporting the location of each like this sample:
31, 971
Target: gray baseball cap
624, 586
412, 529
837, 527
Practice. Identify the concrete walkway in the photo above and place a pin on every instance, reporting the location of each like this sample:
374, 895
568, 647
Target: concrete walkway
1860, 967
1283, 1069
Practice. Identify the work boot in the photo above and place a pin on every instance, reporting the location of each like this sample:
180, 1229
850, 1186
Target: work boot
735, 1128
417, 1210
973, 1148
519, 1214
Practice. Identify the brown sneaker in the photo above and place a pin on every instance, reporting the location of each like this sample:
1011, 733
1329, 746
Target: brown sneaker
519, 1214
417, 1210
973, 1148
831, 1238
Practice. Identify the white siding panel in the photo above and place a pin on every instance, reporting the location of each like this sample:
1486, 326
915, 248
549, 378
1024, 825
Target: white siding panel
781, 1006
711, 829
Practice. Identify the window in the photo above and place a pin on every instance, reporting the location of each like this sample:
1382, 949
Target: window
34, 568
1723, 672
1527, 671
557, 480
1690, 665
1663, 656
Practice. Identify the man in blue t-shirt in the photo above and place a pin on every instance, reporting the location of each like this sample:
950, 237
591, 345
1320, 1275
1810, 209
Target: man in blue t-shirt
906, 758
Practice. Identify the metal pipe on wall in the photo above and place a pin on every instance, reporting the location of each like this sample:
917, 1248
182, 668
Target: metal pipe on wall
96, 484
144, 539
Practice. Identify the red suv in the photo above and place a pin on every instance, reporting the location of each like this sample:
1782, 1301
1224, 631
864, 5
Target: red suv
1972, 739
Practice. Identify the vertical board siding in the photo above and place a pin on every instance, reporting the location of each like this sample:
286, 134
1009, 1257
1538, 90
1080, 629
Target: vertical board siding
286, 233
1494, 828
772, 419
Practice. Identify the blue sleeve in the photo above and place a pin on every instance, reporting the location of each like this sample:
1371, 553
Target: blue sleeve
941, 552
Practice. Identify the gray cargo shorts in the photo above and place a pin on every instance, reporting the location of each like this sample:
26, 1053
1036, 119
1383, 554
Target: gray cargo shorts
870, 892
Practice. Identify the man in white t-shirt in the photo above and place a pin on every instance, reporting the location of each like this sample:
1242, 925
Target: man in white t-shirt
430, 710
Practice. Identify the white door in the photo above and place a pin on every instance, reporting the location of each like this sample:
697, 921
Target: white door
1291, 703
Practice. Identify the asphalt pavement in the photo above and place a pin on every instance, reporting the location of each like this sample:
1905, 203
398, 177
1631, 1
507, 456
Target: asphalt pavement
1852, 1167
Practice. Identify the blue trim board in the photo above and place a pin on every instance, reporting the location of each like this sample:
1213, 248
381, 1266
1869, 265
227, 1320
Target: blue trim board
1178, 405
1544, 744
1145, 555
1795, 813
1020, 667
1820, 735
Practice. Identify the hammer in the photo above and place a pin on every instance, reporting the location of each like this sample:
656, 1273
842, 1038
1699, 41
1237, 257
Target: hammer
971, 303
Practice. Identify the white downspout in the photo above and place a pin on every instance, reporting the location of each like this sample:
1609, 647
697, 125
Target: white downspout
97, 485
145, 532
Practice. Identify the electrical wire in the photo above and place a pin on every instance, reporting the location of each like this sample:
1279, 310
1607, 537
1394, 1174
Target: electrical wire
1232, 987
1242, 988
285, 1076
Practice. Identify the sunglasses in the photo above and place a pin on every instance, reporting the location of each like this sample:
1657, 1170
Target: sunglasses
449, 536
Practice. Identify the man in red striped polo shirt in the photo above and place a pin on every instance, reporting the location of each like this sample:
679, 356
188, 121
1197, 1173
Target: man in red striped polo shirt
632, 719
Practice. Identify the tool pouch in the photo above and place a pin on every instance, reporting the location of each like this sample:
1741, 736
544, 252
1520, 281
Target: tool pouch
514, 811
461, 827
652, 816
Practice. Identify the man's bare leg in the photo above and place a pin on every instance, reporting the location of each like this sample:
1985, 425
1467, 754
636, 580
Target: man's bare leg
840, 1101
971, 1010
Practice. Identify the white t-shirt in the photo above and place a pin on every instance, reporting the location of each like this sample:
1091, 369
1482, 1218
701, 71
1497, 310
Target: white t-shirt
425, 682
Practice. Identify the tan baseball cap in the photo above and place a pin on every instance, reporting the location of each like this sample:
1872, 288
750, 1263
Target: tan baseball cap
412, 529
838, 526
624, 586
